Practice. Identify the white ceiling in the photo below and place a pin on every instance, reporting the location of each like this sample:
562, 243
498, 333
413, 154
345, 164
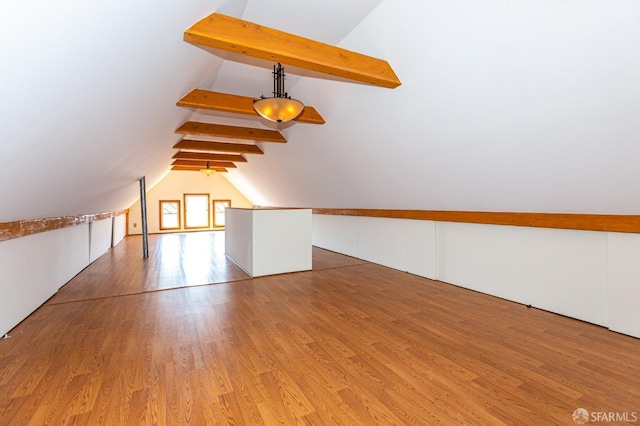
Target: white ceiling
517, 106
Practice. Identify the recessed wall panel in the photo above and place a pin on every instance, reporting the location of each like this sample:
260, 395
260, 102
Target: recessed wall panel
101, 235
336, 233
29, 268
624, 283
404, 244
72, 252
558, 270
119, 229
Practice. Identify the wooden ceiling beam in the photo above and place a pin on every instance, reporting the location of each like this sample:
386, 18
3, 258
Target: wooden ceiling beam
203, 164
230, 132
197, 169
186, 155
246, 38
225, 102
207, 146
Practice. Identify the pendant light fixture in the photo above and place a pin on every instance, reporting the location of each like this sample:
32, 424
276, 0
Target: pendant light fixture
208, 171
279, 108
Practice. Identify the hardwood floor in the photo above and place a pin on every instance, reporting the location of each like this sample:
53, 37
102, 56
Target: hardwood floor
349, 343
175, 260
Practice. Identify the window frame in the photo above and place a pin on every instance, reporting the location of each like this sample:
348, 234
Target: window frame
213, 211
165, 228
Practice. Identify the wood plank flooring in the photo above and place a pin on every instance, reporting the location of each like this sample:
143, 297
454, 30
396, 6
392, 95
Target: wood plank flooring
350, 343
175, 260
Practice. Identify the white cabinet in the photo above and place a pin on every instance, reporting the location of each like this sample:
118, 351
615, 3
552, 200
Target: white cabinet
268, 241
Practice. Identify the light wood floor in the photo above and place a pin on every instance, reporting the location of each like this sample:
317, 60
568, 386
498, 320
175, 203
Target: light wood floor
350, 343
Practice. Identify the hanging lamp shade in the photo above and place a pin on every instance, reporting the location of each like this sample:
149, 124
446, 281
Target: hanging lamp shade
279, 108
208, 171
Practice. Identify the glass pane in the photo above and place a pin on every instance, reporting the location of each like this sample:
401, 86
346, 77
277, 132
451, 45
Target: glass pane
221, 205
218, 209
196, 211
170, 221
169, 208
219, 220
170, 217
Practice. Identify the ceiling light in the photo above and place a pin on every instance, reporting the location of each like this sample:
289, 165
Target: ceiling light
280, 107
208, 171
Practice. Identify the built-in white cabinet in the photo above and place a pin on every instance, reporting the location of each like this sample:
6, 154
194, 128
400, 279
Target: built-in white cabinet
269, 241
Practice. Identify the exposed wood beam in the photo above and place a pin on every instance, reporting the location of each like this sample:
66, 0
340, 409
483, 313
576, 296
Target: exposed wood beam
239, 148
203, 164
231, 132
23, 228
224, 102
197, 169
185, 155
235, 35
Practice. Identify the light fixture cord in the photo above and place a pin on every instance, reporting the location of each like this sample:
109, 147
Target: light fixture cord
278, 82
276, 87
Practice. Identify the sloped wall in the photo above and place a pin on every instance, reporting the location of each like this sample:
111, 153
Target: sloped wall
504, 106
120, 67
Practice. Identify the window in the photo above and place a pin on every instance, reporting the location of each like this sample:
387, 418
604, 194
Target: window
170, 214
219, 207
196, 210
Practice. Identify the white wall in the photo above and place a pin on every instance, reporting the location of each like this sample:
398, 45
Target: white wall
101, 232
407, 245
81, 46
624, 283
239, 238
173, 187
119, 229
558, 270
281, 241
33, 268
525, 106
72, 252
587, 275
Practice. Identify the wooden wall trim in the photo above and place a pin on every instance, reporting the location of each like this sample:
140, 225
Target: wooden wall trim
22, 228
587, 222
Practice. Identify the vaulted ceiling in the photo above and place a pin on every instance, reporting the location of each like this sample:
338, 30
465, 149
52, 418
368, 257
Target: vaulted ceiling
248, 40
527, 106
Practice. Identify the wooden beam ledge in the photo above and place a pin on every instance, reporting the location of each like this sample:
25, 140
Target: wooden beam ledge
197, 169
203, 164
206, 146
231, 132
186, 155
235, 35
224, 102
